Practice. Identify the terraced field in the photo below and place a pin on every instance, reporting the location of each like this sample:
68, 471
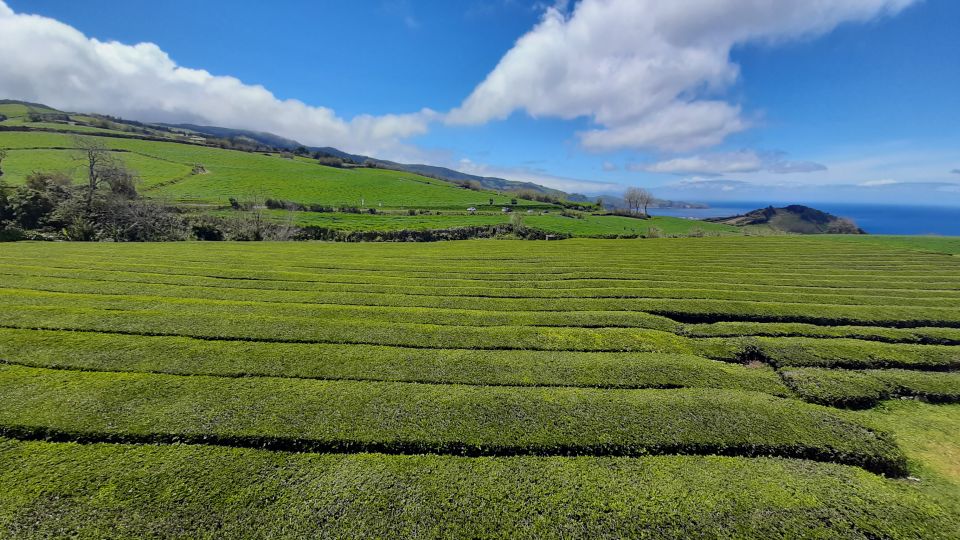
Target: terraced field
700, 387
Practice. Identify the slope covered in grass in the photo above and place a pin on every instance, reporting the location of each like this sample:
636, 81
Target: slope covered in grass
166, 171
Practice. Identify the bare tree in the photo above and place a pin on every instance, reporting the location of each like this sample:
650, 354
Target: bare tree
100, 164
638, 198
646, 198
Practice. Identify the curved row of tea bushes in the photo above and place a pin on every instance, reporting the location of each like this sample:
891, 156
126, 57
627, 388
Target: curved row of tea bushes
347, 331
309, 415
856, 354
866, 388
924, 335
322, 313
181, 491
187, 356
649, 288
682, 310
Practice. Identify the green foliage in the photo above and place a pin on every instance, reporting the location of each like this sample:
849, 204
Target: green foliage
851, 353
180, 357
182, 491
945, 336
185, 356
865, 388
617, 226
166, 169
309, 415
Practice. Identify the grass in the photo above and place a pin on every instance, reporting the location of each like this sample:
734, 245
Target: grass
381, 222
613, 226
480, 389
165, 168
584, 226
928, 435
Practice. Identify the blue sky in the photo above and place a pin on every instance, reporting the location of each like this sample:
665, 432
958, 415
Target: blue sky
851, 99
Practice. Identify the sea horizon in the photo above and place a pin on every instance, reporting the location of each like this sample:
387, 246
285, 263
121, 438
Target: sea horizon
913, 220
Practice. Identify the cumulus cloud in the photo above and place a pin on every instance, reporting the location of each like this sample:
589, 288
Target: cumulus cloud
743, 161
50, 62
647, 72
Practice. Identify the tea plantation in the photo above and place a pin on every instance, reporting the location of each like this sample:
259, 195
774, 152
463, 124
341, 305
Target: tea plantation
698, 387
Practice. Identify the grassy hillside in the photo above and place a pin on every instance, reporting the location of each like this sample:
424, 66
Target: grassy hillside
796, 219
166, 161
503, 389
165, 168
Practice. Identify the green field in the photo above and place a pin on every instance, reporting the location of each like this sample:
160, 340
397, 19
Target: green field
166, 172
165, 168
718, 387
587, 226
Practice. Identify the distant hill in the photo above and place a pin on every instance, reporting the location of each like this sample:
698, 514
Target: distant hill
432, 171
264, 140
796, 218
614, 202
262, 137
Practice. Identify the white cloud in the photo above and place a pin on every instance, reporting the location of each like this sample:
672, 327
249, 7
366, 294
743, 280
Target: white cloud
609, 167
743, 161
645, 70
878, 183
537, 176
52, 63
870, 192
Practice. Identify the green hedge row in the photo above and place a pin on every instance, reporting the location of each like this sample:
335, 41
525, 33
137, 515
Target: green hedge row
852, 353
186, 356
499, 289
455, 273
927, 335
346, 331
859, 389
683, 310
308, 415
832, 272
142, 491
324, 313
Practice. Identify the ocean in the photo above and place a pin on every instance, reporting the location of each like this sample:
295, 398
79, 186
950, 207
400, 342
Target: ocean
875, 219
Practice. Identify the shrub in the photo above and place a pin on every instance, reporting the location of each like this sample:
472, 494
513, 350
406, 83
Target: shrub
301, 415
243, 493
858, 389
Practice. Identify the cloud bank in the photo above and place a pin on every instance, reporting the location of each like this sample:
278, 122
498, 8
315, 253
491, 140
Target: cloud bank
537, 176
647, 72
883, 191
721, 163
50, 62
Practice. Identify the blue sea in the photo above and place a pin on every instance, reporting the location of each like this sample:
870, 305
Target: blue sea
875, 219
